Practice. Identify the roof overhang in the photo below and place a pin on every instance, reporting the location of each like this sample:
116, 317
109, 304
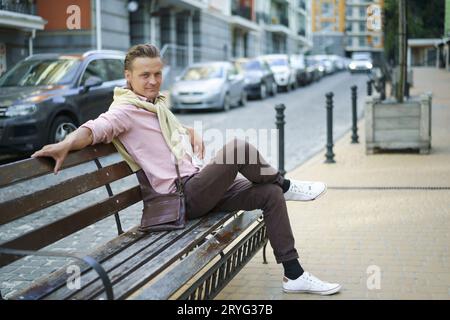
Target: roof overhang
21, 21
187, 4
278, 28
423, 42
242, 23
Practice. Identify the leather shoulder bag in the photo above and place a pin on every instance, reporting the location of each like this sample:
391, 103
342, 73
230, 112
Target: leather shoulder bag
162, 212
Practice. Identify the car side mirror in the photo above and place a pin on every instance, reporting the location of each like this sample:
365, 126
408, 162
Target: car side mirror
91, 82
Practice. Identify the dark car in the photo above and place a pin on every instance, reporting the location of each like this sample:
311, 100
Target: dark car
315, 69
46, 96
259, 78
299, 64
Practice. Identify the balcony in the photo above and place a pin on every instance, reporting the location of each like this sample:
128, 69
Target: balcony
280, 19
21, 6
242, 11
20, 15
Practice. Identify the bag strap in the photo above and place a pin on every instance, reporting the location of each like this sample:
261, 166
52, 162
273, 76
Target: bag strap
180, 184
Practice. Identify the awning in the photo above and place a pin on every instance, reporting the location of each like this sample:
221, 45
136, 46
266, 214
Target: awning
423, 42
243, 23
186, 4
278, 28
21, 21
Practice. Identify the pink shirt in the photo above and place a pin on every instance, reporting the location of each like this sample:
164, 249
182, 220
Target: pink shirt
139, 132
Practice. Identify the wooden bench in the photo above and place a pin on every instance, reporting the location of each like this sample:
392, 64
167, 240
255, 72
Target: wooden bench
193, 263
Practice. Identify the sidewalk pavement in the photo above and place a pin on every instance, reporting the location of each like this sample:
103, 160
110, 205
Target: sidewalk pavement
379, 244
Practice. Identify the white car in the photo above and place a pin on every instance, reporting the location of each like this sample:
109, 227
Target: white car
361, 62
285, 76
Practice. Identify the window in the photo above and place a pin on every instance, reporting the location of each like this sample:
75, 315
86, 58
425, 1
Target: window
362, 41
115, 69
362, 26
348, 27
203, 73
327, 26
376, 40
96, 68
363, 12
327, 10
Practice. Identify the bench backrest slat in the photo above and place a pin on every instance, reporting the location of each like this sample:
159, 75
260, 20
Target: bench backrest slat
61, 228
28, 204
36, 167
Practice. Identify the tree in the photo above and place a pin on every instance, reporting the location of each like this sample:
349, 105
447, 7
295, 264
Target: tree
425, 20
402, 42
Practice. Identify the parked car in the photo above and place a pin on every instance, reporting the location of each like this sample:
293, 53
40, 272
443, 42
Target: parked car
46, 96
315, 69
361, 62
259, 78
208, 85
329, 67
282, 69
298, 63
338, 61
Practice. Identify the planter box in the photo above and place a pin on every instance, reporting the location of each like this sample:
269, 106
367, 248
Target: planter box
395, 126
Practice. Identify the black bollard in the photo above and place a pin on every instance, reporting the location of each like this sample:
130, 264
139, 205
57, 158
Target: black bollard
354, 115
280, 126
369, 88
329, 155
383, 89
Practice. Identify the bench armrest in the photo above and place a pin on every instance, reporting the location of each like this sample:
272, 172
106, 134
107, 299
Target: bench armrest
86, 259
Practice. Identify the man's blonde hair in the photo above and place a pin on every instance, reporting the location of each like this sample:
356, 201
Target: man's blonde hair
140, 50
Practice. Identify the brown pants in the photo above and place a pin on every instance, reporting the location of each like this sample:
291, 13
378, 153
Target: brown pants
216, 188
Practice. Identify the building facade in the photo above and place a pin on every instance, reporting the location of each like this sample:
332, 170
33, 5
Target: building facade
18, 26
361, 35
345, 26
186, 31
328, 26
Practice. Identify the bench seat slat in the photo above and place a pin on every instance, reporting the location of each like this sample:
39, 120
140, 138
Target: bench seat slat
166, 286
59, 229
159, 263
36, 167
50, 283
153, 240
148, 263
21, 207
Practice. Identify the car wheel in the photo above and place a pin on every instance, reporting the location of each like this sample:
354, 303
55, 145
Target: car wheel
274, 90
226, 103
262, 91
243, 100
287, 88
60, 129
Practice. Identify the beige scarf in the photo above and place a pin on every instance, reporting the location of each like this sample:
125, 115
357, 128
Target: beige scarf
171, 128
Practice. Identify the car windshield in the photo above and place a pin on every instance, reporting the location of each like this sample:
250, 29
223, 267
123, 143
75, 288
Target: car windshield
40, 73
203, 73
277, 62
361, 57
253, 65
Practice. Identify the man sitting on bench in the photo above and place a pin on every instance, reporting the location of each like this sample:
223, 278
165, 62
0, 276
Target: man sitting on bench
143, 129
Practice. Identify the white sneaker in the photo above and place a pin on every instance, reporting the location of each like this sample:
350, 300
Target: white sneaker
305, 190
307, 283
